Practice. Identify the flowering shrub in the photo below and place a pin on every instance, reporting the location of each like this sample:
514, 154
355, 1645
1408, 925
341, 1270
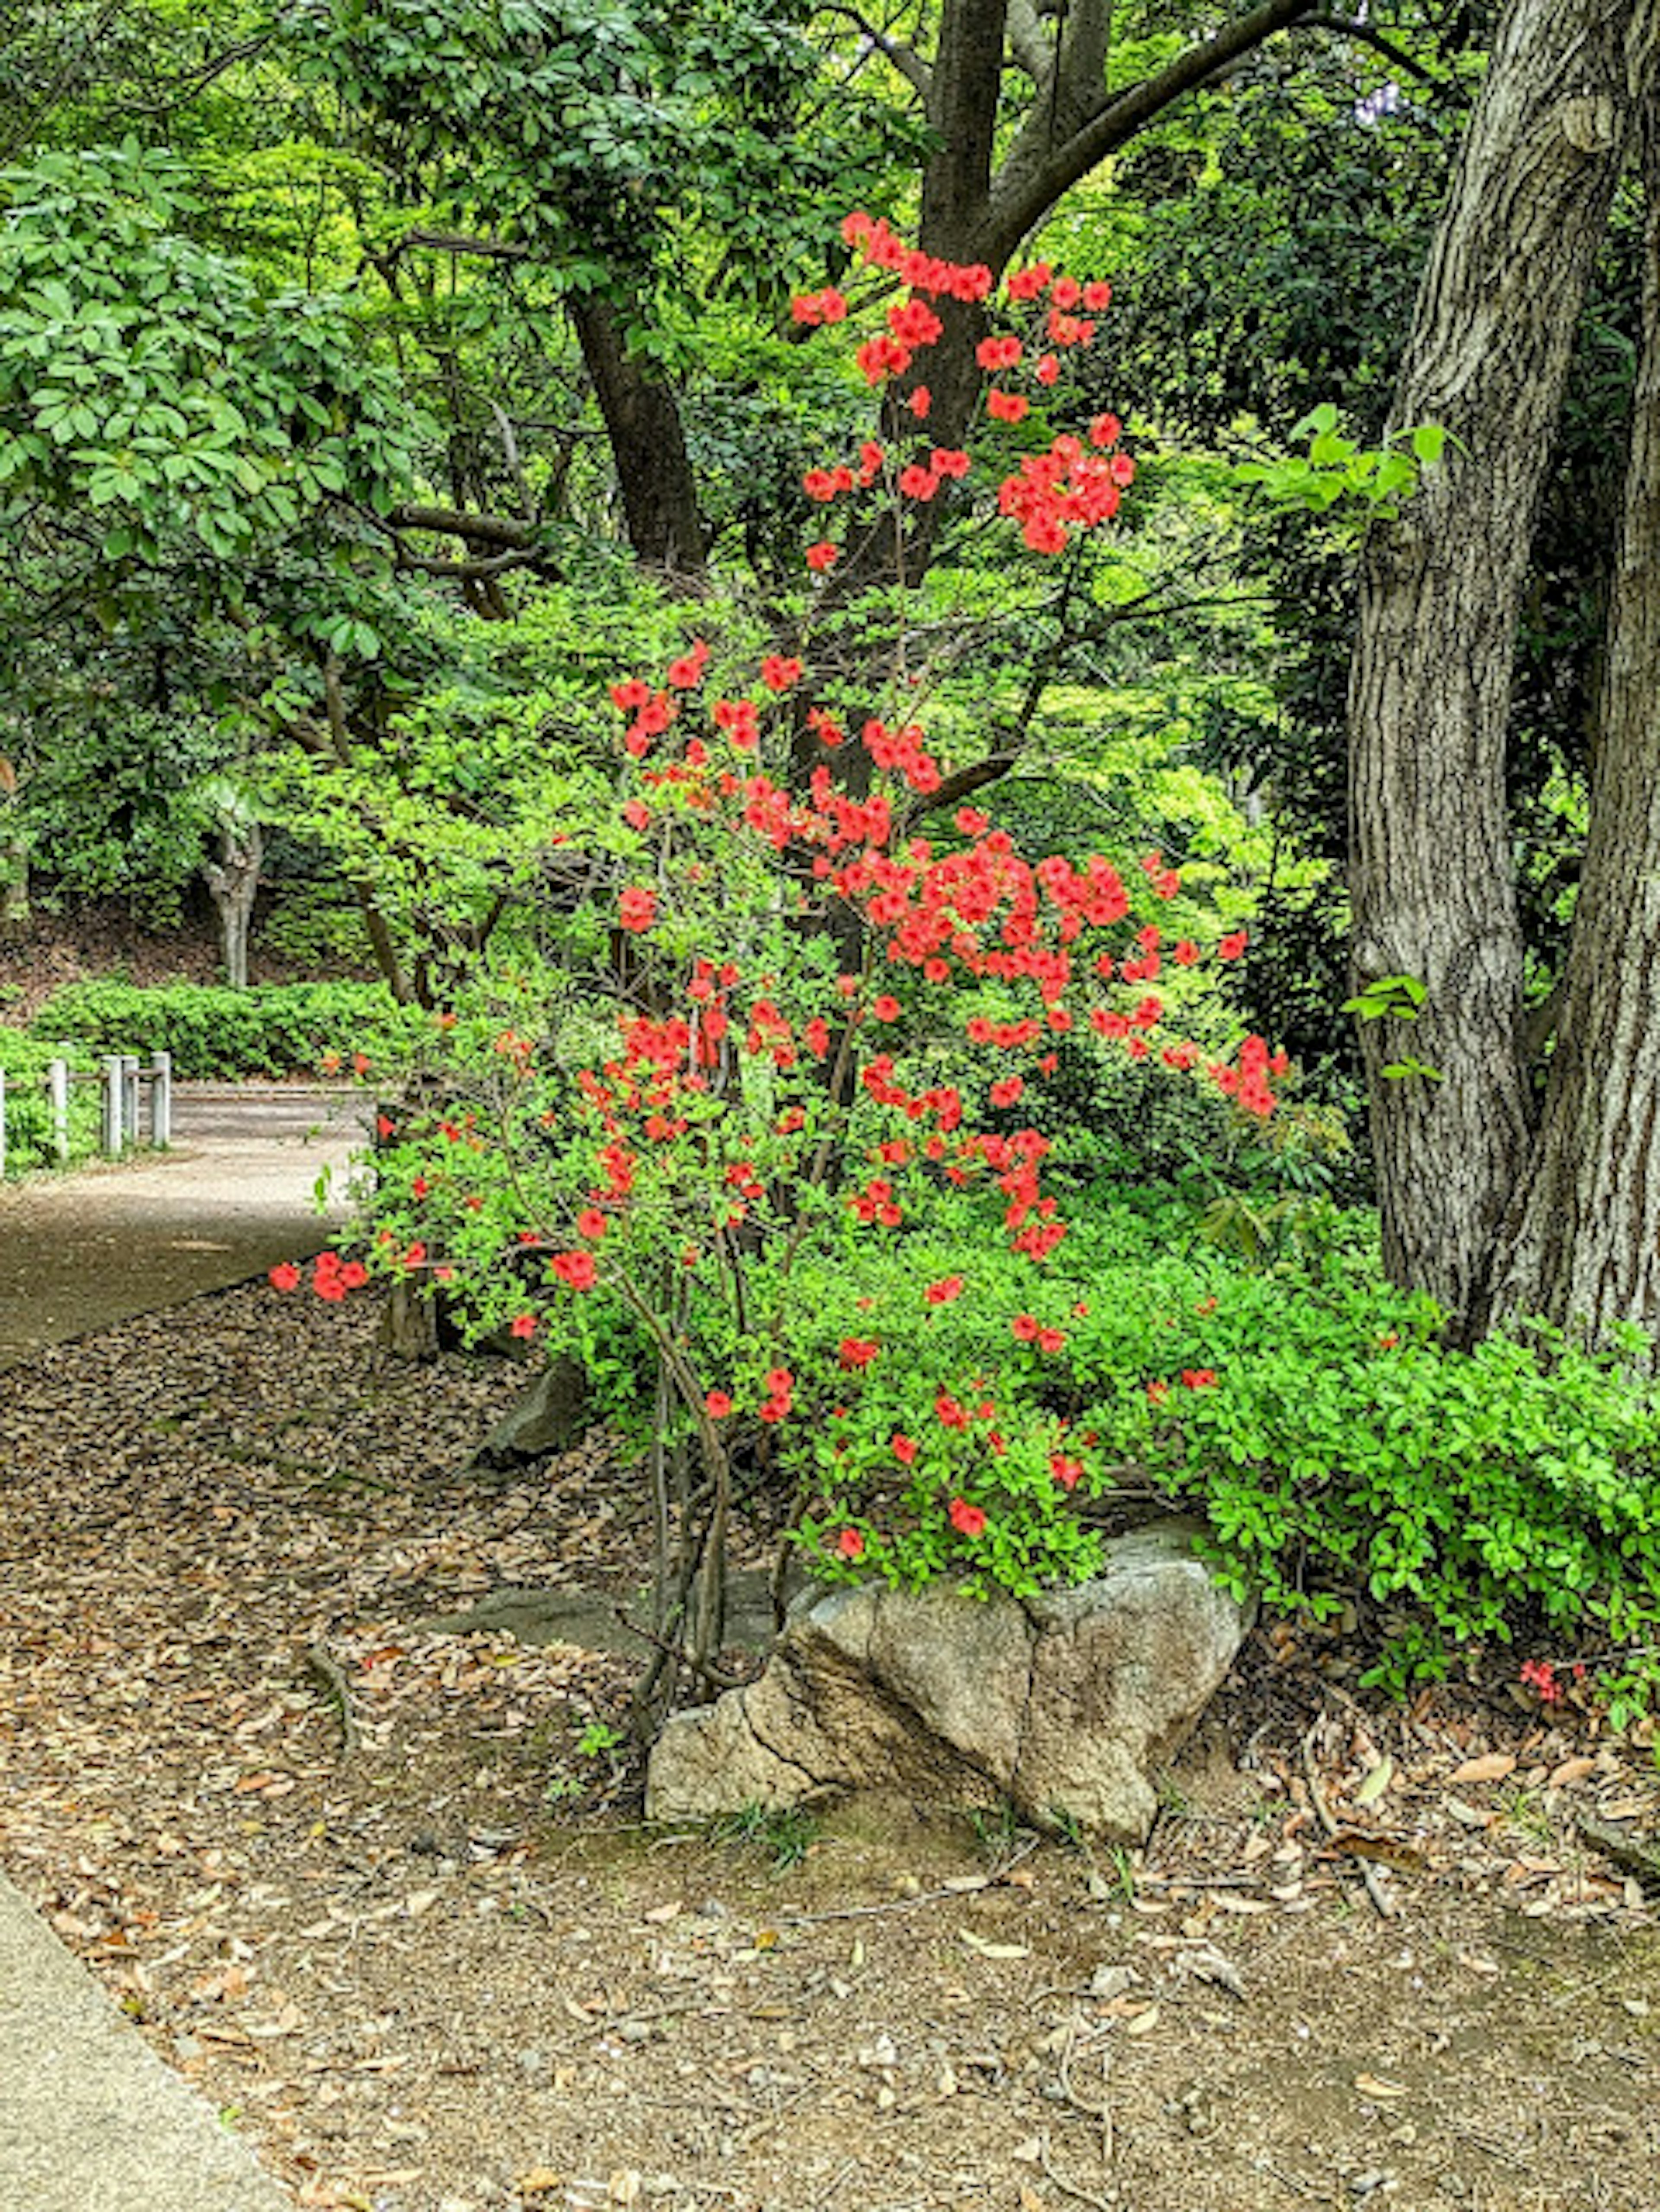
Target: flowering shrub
835, 996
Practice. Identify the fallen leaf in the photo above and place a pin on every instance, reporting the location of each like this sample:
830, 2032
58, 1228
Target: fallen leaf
538, 2181
1492, 1766
988, 1950
1370, 2085
1570, 1771
1143, 2023
1376, 1782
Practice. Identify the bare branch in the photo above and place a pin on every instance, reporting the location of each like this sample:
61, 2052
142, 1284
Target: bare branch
1037, 171
509, 532
1344, 27
1032, 51
908, 63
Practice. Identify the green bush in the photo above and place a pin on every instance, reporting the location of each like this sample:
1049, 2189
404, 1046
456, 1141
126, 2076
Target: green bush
1306, 1409
215, 1033
23, 1061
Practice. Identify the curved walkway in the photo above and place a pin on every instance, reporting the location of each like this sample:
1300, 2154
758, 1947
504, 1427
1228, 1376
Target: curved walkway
90, 2121
235, 1194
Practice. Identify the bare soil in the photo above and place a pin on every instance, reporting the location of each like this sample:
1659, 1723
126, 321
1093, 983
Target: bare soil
442, 1967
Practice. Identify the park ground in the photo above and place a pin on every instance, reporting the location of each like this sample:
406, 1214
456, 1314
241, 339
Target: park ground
436, 1962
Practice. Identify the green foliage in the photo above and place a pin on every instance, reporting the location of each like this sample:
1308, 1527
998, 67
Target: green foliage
292, 1029
1333, 1446
30, 1142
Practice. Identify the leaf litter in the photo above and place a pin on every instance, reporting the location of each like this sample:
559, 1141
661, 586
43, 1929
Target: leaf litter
359, 1880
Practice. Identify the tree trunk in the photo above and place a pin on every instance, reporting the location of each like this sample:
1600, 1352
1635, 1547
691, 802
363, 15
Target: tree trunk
1431, 878
16, 914
1581, 1245
642, 422
233, 882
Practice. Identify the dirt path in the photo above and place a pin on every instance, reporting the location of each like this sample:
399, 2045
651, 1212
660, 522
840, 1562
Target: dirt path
235, 1194
435, 1964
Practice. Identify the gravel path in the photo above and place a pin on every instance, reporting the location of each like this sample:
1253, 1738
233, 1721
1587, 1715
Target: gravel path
235, 1194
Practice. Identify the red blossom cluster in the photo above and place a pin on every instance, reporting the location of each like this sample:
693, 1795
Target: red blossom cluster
1072, 487
332, 1277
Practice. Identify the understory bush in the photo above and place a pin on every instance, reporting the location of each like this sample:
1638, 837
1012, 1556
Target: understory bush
23, 1061
216, 1033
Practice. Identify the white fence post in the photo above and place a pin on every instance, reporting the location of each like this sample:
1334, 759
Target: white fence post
114, 1084
129, 1098
58, 1091
162, 1100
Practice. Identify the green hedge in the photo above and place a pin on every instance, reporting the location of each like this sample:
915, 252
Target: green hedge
23, 1061
214, 1033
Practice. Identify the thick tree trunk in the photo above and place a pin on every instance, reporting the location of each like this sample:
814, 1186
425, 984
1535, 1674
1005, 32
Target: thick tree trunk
660, 496
1431, 876
1581, 1246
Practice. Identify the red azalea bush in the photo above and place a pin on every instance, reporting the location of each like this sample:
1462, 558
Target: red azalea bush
830, 997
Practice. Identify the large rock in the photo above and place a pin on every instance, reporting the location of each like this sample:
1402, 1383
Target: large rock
1067, 1705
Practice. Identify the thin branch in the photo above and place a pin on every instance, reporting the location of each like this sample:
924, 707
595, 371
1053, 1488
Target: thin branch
1344, 27
908, 63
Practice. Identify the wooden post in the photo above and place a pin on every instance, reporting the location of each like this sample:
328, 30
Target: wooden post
58, 1091
114, 1084
162, 1100
3, 1125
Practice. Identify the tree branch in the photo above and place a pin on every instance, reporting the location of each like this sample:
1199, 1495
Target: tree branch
1032, 51
1342, 27
1037, 172
508, 532
908, 63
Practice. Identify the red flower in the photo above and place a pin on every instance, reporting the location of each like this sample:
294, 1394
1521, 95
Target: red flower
1198, 1378
1066, 1472
858, 1352
850, 1544
886, 1008
1157, 1393
717, 1404
576, 1270
522, 1325
967, 1520
774, 1410
1050, 1340
943, 1292
637, 907
590, 1222
779, 672
1007, 406
1230, 948
637, 814
904, 1450
821, 556
780, 1381
1007, 1092
285, 1276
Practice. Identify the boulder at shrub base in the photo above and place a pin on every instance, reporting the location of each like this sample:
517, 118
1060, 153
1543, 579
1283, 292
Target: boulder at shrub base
1067, 1705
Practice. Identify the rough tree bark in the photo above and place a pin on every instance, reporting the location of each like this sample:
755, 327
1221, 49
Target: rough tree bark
1431, 878
648, 444
233, 882
1580, 1244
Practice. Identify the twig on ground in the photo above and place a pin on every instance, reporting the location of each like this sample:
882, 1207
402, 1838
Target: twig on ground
1375, 1889
328, 1673
1066, 2188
